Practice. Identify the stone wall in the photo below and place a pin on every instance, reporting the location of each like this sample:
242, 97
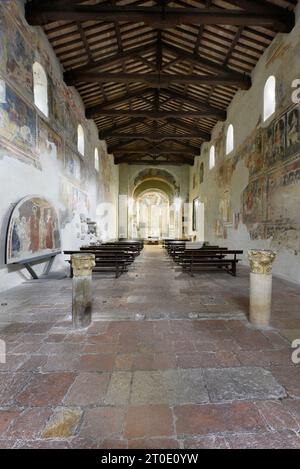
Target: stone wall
252, 195
38, 155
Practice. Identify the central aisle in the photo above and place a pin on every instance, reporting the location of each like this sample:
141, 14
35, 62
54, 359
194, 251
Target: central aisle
156, 288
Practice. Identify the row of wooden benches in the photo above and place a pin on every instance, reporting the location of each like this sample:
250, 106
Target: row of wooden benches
113, 256
193, 258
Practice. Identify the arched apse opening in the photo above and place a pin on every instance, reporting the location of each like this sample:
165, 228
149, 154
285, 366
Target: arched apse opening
152, 214
151, 210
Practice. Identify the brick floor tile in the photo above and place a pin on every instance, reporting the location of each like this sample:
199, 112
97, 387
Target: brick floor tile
6, 418
102, 423
29, 424
97, 362
276, 415
46, 389
270, 440
215, 418
10, 385
88, 389
289, 378
149, 421
153, 443
206, 442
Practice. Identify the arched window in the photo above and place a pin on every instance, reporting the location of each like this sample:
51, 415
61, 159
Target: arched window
97, 167
80, 139
269, 97
229, 139
212, 158
201, 176
40, 88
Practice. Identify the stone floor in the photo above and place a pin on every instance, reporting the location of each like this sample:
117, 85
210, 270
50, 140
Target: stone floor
170, 361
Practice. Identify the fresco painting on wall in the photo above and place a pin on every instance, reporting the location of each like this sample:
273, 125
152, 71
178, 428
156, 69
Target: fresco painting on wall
255, 158
254, 201
50, 143
283, 186
279, 140
293, 131
55, 105
33, 230
80, 201
72, 165
70, 124
268, 146
225, 208
19, 58
18, 122
236, 221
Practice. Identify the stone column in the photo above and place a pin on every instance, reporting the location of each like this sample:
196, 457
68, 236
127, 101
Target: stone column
82, 265
260, 286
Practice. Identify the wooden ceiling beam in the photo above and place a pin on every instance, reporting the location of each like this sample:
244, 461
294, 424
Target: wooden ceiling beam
94, 111
155, 115
155, 144
280, 20
156, 137
159, 80
157, 152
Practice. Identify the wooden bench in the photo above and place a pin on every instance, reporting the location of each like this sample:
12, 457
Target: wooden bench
128, 253
116, 262
215, 258
179, 254
130, 246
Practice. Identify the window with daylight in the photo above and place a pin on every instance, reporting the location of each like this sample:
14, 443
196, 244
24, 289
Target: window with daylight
80, 139
229, 139
97, 166
212, 158
40, 88
269, 97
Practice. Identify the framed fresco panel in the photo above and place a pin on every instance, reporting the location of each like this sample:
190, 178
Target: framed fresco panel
18, 122
279, 139
33, 231
293, 132
254, 201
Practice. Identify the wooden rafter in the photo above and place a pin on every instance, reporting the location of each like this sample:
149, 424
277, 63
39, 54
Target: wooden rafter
149, 81
279, 18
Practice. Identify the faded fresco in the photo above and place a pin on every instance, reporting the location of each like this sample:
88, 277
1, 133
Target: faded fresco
17, 122
75, 186
50, 142
72, 164
19, 57
269, 203
33, 230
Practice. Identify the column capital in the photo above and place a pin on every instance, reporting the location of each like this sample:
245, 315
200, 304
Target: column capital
82, 264
261, 261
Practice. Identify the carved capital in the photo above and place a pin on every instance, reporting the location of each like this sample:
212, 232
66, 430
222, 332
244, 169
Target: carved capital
82, 264
261, 261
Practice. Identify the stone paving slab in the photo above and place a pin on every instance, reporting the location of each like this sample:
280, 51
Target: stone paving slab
244, 383
184, 371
